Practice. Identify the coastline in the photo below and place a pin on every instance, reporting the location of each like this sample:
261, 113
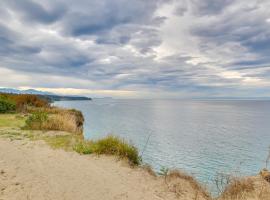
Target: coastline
31, 169
44, 155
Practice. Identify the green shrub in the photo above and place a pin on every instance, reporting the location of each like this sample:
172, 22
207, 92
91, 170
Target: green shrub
6, 105
36, 120
113, 145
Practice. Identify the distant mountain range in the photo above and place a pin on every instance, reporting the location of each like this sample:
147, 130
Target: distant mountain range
29, 91
47, 95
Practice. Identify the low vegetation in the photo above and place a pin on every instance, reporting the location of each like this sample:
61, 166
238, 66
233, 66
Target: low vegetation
83, 147
41, 115
12, 120
65, 142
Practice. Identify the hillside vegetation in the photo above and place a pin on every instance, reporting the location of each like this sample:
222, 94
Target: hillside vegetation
41, 115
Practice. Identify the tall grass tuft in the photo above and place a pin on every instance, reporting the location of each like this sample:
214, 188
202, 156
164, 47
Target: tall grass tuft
238, 189
64, 122
113, 145
110, 145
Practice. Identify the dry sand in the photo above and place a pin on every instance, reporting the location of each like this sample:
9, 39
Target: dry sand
33, 171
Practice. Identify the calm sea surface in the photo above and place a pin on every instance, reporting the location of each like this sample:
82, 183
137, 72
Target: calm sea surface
201, 137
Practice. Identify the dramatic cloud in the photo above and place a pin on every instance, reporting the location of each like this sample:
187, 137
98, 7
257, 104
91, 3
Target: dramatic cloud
126, 48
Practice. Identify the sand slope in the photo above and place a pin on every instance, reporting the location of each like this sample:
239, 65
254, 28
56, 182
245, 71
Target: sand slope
32, 170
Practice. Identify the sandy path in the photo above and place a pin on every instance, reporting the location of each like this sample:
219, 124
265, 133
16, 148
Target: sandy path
32, 170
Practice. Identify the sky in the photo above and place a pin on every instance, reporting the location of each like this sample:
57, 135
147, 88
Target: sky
137, 48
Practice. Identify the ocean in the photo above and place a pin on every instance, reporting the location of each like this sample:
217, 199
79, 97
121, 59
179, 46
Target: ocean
202, 137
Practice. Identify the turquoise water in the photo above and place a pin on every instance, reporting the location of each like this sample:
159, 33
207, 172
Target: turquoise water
201, 137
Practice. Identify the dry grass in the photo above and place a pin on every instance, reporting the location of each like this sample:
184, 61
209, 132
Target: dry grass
239, 189
52, 118
244, 188
49, 110
265, 174
172, 181
63, 122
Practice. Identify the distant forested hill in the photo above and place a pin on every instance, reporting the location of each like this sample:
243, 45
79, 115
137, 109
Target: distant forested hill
64, 98
45, 95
